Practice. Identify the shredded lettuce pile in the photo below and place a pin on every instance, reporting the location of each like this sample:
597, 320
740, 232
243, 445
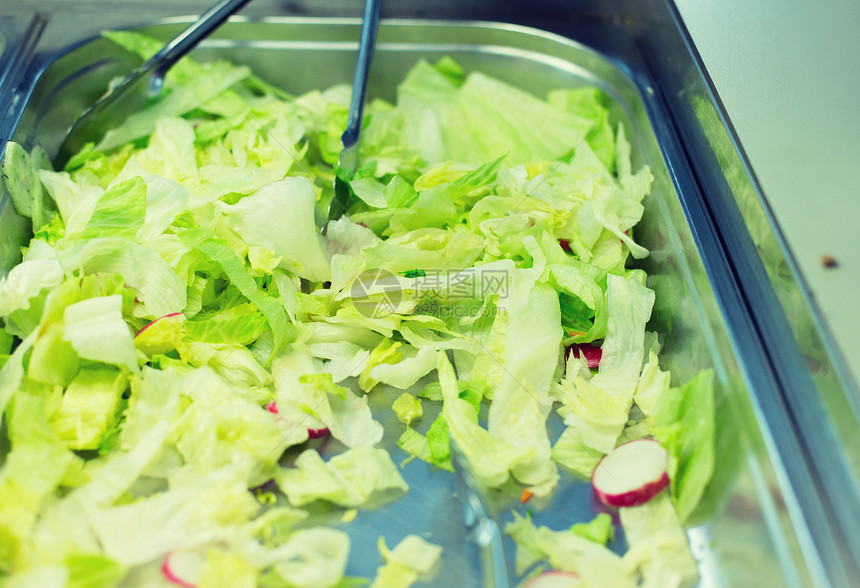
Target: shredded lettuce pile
179, 321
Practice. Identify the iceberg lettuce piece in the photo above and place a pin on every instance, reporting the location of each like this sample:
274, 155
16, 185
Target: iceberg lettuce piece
521, 403
96, 330
165, 200
233, 362
491, 459
32, 470
280, 217
181, 518
88, 409
599, 529
403, 374
53, 359
360, 477
211, 80
653, 384
93, 571
658, 545
596, 410
684, 424
241, 324
308, 399
170, 154
159, 289
156, 399
407, 408
312, 558
411, 559
226, 569
119, 212
55, 576
219, 253
566, 550
27, 280
571, 453
12, 372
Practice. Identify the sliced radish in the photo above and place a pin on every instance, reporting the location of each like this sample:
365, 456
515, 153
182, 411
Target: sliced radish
631, 474
592, 354
316, 428
183, 568
554, 579
317, 433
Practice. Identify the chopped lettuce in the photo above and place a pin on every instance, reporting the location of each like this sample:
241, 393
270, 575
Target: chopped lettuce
362, 476
179, 330
658, 544
411, 559
684, 424
569, 551
88, 410
407, 408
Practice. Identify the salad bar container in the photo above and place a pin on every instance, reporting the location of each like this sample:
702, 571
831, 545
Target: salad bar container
783, 507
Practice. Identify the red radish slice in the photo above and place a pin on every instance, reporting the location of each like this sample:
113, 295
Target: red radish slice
554, 579
317, 433
592, 354
631, 474
314, 432
183, 568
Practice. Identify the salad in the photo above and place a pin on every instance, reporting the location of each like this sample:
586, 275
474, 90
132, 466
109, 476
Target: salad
187, 360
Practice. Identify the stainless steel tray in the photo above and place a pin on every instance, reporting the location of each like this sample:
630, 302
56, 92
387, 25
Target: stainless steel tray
751, 529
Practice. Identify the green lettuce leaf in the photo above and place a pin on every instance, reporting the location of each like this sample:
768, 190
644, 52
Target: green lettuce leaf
312, 558
27, 280
658, 544
119, 212
93, 571
310, 400
411, 559
219, 253
491, 458
521, 403
684, 424
362, 476
566, 550
211, 80
88, 410
20, 171
279, 217
96, 330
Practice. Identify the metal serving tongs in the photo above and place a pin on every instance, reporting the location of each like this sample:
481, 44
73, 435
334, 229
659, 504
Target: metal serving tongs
480, 523
147, 79
348, 158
